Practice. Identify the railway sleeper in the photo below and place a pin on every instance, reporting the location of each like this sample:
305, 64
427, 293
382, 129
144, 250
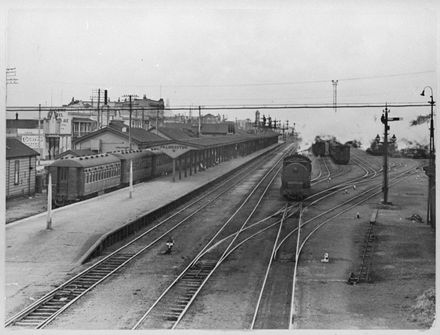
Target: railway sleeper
50, 303
191, 281
42, 313
44, 309
176, 309
36, 318
183, 299
84, 282
73, 288
182, 304
97, 274
24, 323
102, 271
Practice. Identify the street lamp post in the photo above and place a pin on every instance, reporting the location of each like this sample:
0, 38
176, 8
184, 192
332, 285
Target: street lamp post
430, 215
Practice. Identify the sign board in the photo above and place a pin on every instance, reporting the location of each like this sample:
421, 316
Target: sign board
59, 118
173, 150
66, 122
32, 141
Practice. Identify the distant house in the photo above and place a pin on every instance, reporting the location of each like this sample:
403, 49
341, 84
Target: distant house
82, 126
216, 128
209, 118
20, 169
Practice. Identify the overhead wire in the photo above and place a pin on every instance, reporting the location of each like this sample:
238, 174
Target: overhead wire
229, 107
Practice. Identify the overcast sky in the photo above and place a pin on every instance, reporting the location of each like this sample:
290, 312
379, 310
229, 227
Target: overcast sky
233, 53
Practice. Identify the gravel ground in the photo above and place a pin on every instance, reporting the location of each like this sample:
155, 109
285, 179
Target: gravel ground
403, 267
23, 207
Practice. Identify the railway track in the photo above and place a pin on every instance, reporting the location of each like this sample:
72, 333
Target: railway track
187, 287
278, 269
308, 229
43, 311
170, 307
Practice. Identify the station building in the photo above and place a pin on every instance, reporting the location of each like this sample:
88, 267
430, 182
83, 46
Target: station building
20, 169
116, 137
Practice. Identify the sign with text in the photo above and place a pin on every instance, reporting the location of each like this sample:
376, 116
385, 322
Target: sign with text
66, 122
173, 150
32, 141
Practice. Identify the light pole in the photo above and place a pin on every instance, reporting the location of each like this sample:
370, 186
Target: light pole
430, 215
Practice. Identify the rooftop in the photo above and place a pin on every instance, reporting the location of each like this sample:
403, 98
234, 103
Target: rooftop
16, 149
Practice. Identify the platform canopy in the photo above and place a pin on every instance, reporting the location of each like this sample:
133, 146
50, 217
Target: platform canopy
173, 150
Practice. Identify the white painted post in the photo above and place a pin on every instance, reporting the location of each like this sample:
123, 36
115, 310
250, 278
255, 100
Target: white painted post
174, 170
131, 180
49, 203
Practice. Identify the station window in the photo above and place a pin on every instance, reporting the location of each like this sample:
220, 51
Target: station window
17, 172
63, 173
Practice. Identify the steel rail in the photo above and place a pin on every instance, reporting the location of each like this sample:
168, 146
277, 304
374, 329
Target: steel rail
242, 174
268, 268
396, 180
202, 252
225, 253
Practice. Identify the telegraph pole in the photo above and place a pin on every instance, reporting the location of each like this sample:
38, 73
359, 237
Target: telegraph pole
129, 126
106, 107
200, 120
335, 93
430, 215
157, 115
39, 127
99, 98
11, 72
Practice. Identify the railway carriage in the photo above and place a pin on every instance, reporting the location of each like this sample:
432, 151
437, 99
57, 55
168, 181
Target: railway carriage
296, 176
142, 161
78, 178
81, 177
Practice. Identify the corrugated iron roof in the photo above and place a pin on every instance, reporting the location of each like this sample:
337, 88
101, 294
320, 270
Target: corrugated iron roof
22, 124
138, 135
15, 149
86, 161
176, 133
76, 152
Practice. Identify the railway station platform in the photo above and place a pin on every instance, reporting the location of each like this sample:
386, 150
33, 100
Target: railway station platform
36, 258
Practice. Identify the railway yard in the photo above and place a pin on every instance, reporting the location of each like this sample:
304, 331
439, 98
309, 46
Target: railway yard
244, 257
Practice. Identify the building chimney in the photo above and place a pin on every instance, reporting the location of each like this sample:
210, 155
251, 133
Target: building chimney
16, 116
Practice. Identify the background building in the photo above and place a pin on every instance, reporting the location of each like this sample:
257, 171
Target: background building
20, 169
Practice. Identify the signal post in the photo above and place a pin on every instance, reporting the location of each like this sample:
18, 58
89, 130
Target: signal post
385, 119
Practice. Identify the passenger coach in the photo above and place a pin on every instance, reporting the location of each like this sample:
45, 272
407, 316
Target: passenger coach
81, 177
